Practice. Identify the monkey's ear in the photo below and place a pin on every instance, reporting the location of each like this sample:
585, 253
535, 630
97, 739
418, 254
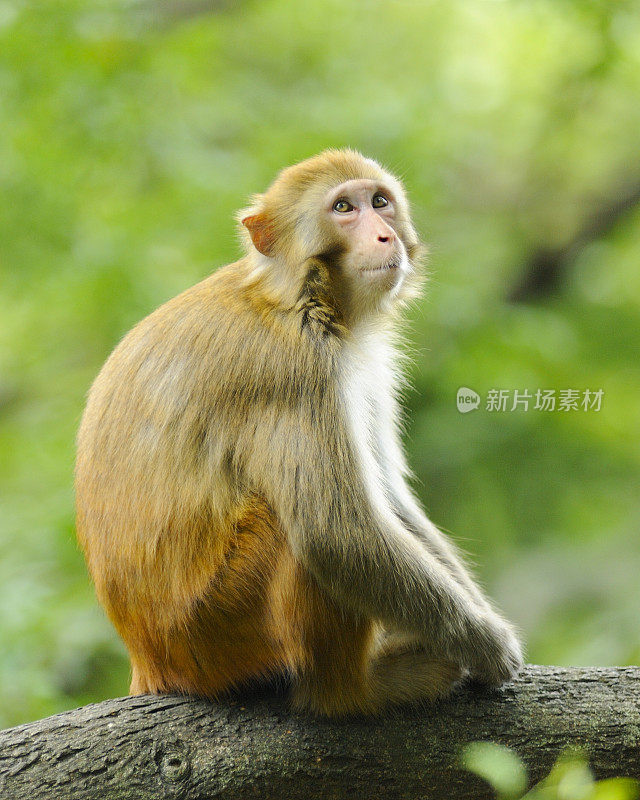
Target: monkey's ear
261, 230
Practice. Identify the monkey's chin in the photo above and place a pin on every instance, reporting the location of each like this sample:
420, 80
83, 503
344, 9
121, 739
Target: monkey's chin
386, 275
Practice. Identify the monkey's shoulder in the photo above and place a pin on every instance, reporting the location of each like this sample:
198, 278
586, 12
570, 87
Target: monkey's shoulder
219, 341
225, 309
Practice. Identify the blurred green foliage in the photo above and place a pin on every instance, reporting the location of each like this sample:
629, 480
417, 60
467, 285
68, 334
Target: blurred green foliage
129, 135
570, 778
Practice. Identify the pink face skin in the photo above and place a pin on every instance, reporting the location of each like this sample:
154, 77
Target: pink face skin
363, 212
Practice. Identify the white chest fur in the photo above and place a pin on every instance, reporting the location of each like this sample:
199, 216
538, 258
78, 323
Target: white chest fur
368, 380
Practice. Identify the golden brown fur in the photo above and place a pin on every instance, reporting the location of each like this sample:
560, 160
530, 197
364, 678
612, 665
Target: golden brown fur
237, 518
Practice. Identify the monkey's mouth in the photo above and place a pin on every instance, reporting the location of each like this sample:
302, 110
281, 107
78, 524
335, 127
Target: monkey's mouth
391, 264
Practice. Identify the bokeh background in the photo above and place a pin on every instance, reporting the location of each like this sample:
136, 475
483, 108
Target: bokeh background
129, 135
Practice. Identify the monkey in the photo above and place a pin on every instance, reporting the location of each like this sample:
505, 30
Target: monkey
243, 499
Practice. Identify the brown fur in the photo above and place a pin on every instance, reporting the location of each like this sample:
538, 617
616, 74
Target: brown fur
224, 497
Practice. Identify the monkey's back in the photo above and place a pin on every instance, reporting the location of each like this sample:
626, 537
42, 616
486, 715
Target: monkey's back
187, 558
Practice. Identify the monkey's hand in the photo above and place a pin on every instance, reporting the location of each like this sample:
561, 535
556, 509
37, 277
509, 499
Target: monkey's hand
494, 650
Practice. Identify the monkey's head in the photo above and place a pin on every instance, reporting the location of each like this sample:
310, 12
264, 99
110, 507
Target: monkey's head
343, 210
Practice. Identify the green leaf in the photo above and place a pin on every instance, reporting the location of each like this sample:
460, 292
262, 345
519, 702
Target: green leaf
498, 765
616, 789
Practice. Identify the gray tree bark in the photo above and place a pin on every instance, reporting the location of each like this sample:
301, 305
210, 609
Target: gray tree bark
254, 747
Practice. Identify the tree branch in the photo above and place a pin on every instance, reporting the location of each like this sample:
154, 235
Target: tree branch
545, 269
177, 747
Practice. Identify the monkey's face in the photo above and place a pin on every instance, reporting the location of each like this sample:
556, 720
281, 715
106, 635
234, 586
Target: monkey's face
345, 210
363, 217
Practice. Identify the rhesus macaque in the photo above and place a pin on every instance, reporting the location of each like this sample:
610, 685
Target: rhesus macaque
240, 482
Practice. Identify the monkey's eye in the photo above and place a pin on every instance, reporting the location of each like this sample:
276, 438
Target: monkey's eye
379, 201
342, 206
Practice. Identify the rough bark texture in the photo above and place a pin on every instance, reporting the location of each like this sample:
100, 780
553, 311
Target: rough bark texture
253, 747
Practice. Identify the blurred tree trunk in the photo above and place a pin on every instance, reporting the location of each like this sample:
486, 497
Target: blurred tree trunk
545, 269
177, 747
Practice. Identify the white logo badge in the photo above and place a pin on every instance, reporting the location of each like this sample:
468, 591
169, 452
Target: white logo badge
467, 399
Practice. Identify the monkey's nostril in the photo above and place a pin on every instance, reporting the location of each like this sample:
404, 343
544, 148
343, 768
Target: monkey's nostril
383, 238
